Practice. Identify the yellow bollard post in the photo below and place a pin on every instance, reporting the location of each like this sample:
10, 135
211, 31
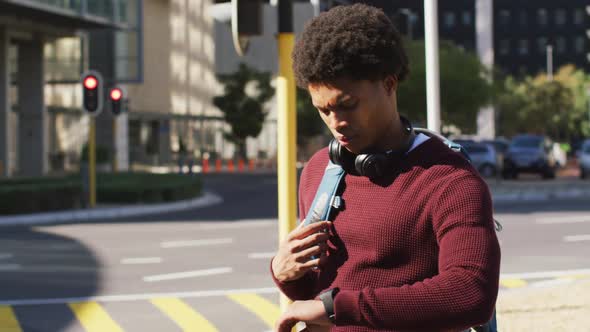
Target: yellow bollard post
287, 128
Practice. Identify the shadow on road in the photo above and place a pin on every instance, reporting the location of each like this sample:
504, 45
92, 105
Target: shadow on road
40, 265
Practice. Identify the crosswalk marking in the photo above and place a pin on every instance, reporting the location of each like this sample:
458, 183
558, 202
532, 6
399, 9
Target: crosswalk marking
93, 317
512, 283
8, 321
267, 311
183, 315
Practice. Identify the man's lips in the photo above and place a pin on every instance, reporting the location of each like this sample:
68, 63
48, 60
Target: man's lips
345, 139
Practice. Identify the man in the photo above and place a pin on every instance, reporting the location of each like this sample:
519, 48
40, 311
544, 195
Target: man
413, 248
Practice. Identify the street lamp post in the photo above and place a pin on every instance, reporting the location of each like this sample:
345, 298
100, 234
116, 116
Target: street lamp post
550, 62
411, 18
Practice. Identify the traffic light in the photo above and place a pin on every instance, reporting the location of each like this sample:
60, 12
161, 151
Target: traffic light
116, 98
92, 92
245, 18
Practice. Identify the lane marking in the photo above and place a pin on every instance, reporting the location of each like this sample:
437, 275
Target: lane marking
93, 317
141, 297
563, 220
6, 256
240, 224
512, 283
577, 238
183, 315
551, 283
8, 321
544, 274
195, 243
10, 267
267, 311
188, 274
141, 260
261, 255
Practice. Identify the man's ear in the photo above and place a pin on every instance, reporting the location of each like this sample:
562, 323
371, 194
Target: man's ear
390, 83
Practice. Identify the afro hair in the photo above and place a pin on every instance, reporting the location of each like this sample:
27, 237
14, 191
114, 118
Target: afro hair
353, 41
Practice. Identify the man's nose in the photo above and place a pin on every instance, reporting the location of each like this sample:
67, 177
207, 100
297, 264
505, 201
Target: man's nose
338, 121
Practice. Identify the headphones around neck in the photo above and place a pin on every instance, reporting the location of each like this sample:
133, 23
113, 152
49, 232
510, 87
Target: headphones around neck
371, 165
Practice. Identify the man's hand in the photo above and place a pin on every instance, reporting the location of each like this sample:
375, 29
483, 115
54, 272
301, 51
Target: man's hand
311, 312
293, 258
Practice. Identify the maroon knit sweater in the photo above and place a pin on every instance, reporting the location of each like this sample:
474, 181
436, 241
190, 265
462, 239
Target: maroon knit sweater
412, 252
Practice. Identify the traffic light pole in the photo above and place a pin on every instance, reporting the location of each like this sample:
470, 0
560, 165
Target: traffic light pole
92, 161
114, 144
287, 127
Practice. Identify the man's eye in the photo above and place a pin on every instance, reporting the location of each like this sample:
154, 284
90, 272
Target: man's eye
348, 106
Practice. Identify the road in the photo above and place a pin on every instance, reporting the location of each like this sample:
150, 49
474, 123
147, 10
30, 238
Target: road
208, 269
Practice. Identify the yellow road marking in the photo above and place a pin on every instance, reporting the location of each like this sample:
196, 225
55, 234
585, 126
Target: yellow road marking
93, 317
183, 315
576, 277
8, 321
267, 311
512, 283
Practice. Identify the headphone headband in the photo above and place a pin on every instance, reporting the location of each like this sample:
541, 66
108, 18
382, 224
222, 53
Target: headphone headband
372, 165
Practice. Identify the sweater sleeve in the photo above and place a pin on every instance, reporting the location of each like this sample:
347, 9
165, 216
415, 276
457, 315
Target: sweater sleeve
463, 293
303, 288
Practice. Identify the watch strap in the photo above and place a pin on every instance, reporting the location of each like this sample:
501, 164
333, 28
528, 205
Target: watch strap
327, 299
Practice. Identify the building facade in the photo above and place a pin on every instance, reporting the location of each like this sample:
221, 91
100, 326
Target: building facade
521, 30
42, 54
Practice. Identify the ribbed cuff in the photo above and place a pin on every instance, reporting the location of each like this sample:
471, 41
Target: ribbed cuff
346, 308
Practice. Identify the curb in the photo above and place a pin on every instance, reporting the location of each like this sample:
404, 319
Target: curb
207, 199
532, 196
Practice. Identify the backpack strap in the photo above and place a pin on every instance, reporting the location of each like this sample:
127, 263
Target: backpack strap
325, 197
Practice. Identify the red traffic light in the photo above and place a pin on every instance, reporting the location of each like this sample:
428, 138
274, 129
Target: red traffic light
90, 82
116, 94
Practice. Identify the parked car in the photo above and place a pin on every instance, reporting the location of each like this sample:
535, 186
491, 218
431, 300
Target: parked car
530, 154
500, 145
484, 158
584, 159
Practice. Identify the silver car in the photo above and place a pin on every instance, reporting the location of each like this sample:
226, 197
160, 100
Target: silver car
584, 159
484, 158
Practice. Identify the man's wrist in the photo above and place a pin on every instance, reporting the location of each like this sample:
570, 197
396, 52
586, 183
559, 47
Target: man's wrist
327, 299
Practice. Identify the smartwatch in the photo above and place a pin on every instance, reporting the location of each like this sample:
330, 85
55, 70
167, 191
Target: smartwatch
327, 299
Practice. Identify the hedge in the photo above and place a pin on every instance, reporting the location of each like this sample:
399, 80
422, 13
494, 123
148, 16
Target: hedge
29, 195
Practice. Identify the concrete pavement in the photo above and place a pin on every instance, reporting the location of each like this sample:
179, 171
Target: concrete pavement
558, 308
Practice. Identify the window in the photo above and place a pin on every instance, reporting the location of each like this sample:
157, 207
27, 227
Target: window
504, 17
467, 18
449, 19
561, 45
560, 17
523, 18
542, 45
578, 17
523, 47
504, 46
542, 17
579, 44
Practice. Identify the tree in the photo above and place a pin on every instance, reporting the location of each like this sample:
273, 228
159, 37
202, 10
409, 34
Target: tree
535, 104
464, 83
309, 124
242, 103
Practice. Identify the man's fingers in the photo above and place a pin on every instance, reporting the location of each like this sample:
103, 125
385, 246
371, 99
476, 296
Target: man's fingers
304, 231
285, 324
310, 264
306, 254
312, 240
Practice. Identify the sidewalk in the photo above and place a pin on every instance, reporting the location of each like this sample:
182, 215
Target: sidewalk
558, 308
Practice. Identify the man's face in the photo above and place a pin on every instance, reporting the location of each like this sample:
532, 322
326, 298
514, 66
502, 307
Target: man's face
358, 113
